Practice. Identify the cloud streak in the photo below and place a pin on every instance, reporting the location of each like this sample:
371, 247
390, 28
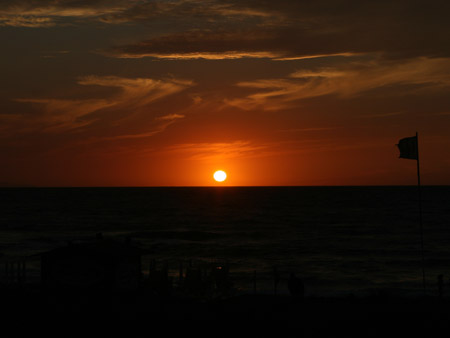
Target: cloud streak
247, 149
293, 30
199, 44
58, 115
48, 13
350, 80
207, 151
285, 30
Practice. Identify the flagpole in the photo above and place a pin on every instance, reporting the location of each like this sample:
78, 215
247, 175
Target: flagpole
420, 216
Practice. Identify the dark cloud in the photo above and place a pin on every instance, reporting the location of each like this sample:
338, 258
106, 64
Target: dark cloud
290, 28
13, 5
190, 12
222, 44
48, 13
397, 29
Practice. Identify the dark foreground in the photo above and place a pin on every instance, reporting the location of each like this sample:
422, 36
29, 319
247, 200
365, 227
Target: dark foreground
140, 314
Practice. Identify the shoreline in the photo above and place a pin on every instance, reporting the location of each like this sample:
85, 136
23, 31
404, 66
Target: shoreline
143, 299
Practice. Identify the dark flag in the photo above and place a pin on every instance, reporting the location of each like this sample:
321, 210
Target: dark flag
408, 148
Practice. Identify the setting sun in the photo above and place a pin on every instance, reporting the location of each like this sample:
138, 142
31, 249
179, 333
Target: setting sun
220, 175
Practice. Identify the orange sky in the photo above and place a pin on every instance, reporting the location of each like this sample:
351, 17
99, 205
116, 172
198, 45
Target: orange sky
163, 93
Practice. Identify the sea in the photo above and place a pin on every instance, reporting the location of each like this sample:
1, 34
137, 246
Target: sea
352, 240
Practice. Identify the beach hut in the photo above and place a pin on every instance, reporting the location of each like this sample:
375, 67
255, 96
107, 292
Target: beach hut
102, 263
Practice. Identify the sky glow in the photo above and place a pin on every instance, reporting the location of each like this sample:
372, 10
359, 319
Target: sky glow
125, 93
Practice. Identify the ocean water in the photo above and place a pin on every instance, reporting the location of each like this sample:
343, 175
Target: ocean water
340, 240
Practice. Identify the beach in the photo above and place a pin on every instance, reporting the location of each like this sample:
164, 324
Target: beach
139, 313
224, 256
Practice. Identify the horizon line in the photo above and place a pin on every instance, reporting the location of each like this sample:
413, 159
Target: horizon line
216, 186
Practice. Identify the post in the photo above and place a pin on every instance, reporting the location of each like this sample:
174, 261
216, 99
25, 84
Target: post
151, 270
420, 217
24, 271
276, 279
180, 274
12, 273
19, 270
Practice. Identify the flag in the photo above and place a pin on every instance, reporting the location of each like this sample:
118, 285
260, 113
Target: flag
408, 148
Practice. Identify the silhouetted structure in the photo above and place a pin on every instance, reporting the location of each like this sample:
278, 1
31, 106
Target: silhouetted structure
103, 263
441, 286
14, 272
158, 279
276, 279
209, 279
296, 286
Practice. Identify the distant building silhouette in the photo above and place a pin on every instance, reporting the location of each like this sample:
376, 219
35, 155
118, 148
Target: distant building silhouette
103, 263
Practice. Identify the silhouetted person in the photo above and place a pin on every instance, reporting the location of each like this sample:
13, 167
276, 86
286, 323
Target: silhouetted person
441, 286
276, 279
296, 286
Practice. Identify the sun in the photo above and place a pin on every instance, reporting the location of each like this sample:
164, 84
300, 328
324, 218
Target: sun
220, 175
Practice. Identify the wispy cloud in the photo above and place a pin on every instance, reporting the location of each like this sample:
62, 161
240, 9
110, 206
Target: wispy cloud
291, 30
383, 115
25, 21
220, 151
305, 130
48, 13
282, 30
315, 56
170, 117
155, 129
349, 80
201, 45
57, 115
207, 11
200, 55
217, 150
60, 114
137, 91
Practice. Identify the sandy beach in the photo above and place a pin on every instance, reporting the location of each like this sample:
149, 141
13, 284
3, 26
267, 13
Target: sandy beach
138, 313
